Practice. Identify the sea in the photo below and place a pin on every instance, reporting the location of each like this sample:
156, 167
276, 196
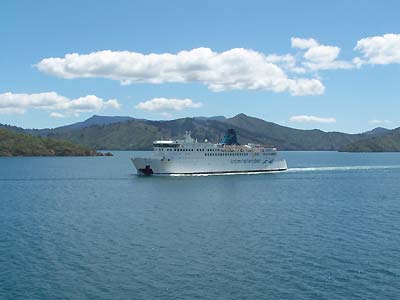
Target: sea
90, 228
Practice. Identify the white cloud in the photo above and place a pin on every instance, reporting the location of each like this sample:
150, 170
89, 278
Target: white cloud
311, 119
311, 87
303, 43
164, 104
57, 115
380, 50
59, 106
375, 121
320, 57
322, 54
234, 69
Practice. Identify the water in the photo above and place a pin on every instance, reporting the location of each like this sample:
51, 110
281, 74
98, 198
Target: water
88, 228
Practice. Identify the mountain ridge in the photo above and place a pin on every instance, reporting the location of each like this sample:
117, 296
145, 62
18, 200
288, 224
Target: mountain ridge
128, 133
387, 142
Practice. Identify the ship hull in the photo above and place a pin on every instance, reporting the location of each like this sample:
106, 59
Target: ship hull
161, 166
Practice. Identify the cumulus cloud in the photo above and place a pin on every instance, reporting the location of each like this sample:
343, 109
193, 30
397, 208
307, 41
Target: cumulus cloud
380, 50
322, 54
164, 104
301, 43
311, 119
375, 121
234, 69
320, 57
59, 105
57, 115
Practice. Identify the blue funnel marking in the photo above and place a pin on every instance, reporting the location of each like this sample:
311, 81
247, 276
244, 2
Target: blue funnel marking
230, 138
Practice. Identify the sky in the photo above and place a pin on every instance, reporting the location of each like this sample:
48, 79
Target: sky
331, 65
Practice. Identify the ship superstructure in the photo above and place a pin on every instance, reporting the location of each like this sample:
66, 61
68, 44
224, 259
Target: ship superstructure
188, 156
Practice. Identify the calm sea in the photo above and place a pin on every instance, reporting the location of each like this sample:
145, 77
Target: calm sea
88, 228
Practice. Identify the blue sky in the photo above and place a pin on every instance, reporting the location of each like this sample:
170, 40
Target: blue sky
246, 61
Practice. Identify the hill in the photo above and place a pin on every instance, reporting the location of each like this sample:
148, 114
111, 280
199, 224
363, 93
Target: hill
126, 133
95, 120
19, 144
389, 142
138, 134
377, 131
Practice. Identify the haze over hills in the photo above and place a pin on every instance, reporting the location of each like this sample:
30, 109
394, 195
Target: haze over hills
127, 133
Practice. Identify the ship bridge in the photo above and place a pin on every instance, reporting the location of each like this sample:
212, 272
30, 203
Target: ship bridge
166, 144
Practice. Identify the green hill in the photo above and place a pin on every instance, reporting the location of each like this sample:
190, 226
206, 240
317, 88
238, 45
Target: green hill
125, 133
19, 144
139, 134
389, 142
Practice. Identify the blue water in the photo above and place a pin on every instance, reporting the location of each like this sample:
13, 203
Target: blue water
88, 228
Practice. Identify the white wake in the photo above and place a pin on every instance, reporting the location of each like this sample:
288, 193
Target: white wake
341, 168
293, 170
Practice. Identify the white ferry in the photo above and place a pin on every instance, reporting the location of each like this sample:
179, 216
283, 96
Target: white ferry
189, 157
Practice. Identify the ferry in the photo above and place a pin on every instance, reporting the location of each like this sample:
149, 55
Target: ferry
191, 157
